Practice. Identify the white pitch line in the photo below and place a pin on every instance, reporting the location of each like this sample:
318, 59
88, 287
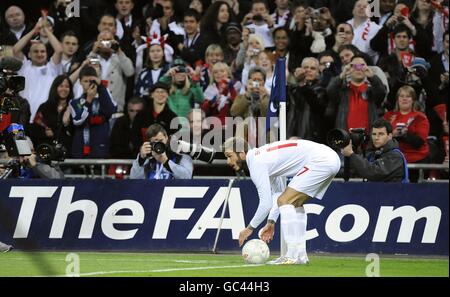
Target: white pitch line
155, 270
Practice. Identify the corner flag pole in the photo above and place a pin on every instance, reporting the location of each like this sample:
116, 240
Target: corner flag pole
283, 132
225, 205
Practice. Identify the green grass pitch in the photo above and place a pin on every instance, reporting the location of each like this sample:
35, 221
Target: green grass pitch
93, 264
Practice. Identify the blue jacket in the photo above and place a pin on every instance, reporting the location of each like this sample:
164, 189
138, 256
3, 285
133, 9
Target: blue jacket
91, 122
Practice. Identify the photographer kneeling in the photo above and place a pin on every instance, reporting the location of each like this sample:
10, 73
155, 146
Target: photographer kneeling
384, 160
157, 161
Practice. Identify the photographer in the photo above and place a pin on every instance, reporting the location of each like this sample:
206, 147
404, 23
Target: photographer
157, 161
385, 162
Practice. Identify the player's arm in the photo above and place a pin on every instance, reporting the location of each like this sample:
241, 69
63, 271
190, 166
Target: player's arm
260, 178
262, 182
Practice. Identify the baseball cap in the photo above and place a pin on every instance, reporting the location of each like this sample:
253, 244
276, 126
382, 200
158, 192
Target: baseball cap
159, 85
233, 26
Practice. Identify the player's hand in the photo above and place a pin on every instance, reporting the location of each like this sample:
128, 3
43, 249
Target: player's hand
244, 235
266, 234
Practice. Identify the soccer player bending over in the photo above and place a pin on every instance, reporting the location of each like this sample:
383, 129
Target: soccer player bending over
313, 167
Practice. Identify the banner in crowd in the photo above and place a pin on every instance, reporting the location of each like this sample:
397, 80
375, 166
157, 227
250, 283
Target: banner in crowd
142, 215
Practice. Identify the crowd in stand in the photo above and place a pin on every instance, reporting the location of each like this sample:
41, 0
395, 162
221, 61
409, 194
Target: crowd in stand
95, 83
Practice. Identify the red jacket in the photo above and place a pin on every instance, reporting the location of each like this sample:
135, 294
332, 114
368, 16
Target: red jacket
417, 124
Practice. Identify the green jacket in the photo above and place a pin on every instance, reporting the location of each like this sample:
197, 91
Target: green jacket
181, 104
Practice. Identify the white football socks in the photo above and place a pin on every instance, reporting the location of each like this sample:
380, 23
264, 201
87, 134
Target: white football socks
302, 220
291, 231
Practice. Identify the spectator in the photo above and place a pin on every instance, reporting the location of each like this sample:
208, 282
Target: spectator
431, 24
411, 128
282, 15
249, 52
16, 28
156, 65
384, 40
150, 164
385, 162
251, 105
64, 22
155, 111
213, 55
90, 114
439, 77
216, 17
233, 37
319, 31
259, 22
307, 104
121, 144
266, 62
52, 122
107, 23
386, 11
344, 36
38, 72
219, 95
328, 68
346, 54
185, 92
91, 15
403, 67
124, 19
167, 24
70, 45
364, 29
198, 6
356, 96
193, 45
116, 66
125, 24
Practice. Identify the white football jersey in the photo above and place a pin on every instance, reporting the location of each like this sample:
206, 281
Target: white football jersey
280, 159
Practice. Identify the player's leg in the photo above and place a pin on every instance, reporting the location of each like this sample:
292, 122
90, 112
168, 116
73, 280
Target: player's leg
293, 223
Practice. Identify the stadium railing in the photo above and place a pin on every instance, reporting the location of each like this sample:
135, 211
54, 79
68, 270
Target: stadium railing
98, 168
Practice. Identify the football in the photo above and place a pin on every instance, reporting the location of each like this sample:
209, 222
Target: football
255, 251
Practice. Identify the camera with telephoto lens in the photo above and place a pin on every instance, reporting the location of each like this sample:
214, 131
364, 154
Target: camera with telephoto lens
51, 152
339, 138
196, 151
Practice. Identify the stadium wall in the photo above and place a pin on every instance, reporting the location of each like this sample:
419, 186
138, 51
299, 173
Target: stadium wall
139, 215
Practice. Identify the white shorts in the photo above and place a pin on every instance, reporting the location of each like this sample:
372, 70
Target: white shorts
315, 177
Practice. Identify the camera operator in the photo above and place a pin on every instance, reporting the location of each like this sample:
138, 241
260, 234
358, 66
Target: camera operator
156, 160
31, 166
385, 162
10, 85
